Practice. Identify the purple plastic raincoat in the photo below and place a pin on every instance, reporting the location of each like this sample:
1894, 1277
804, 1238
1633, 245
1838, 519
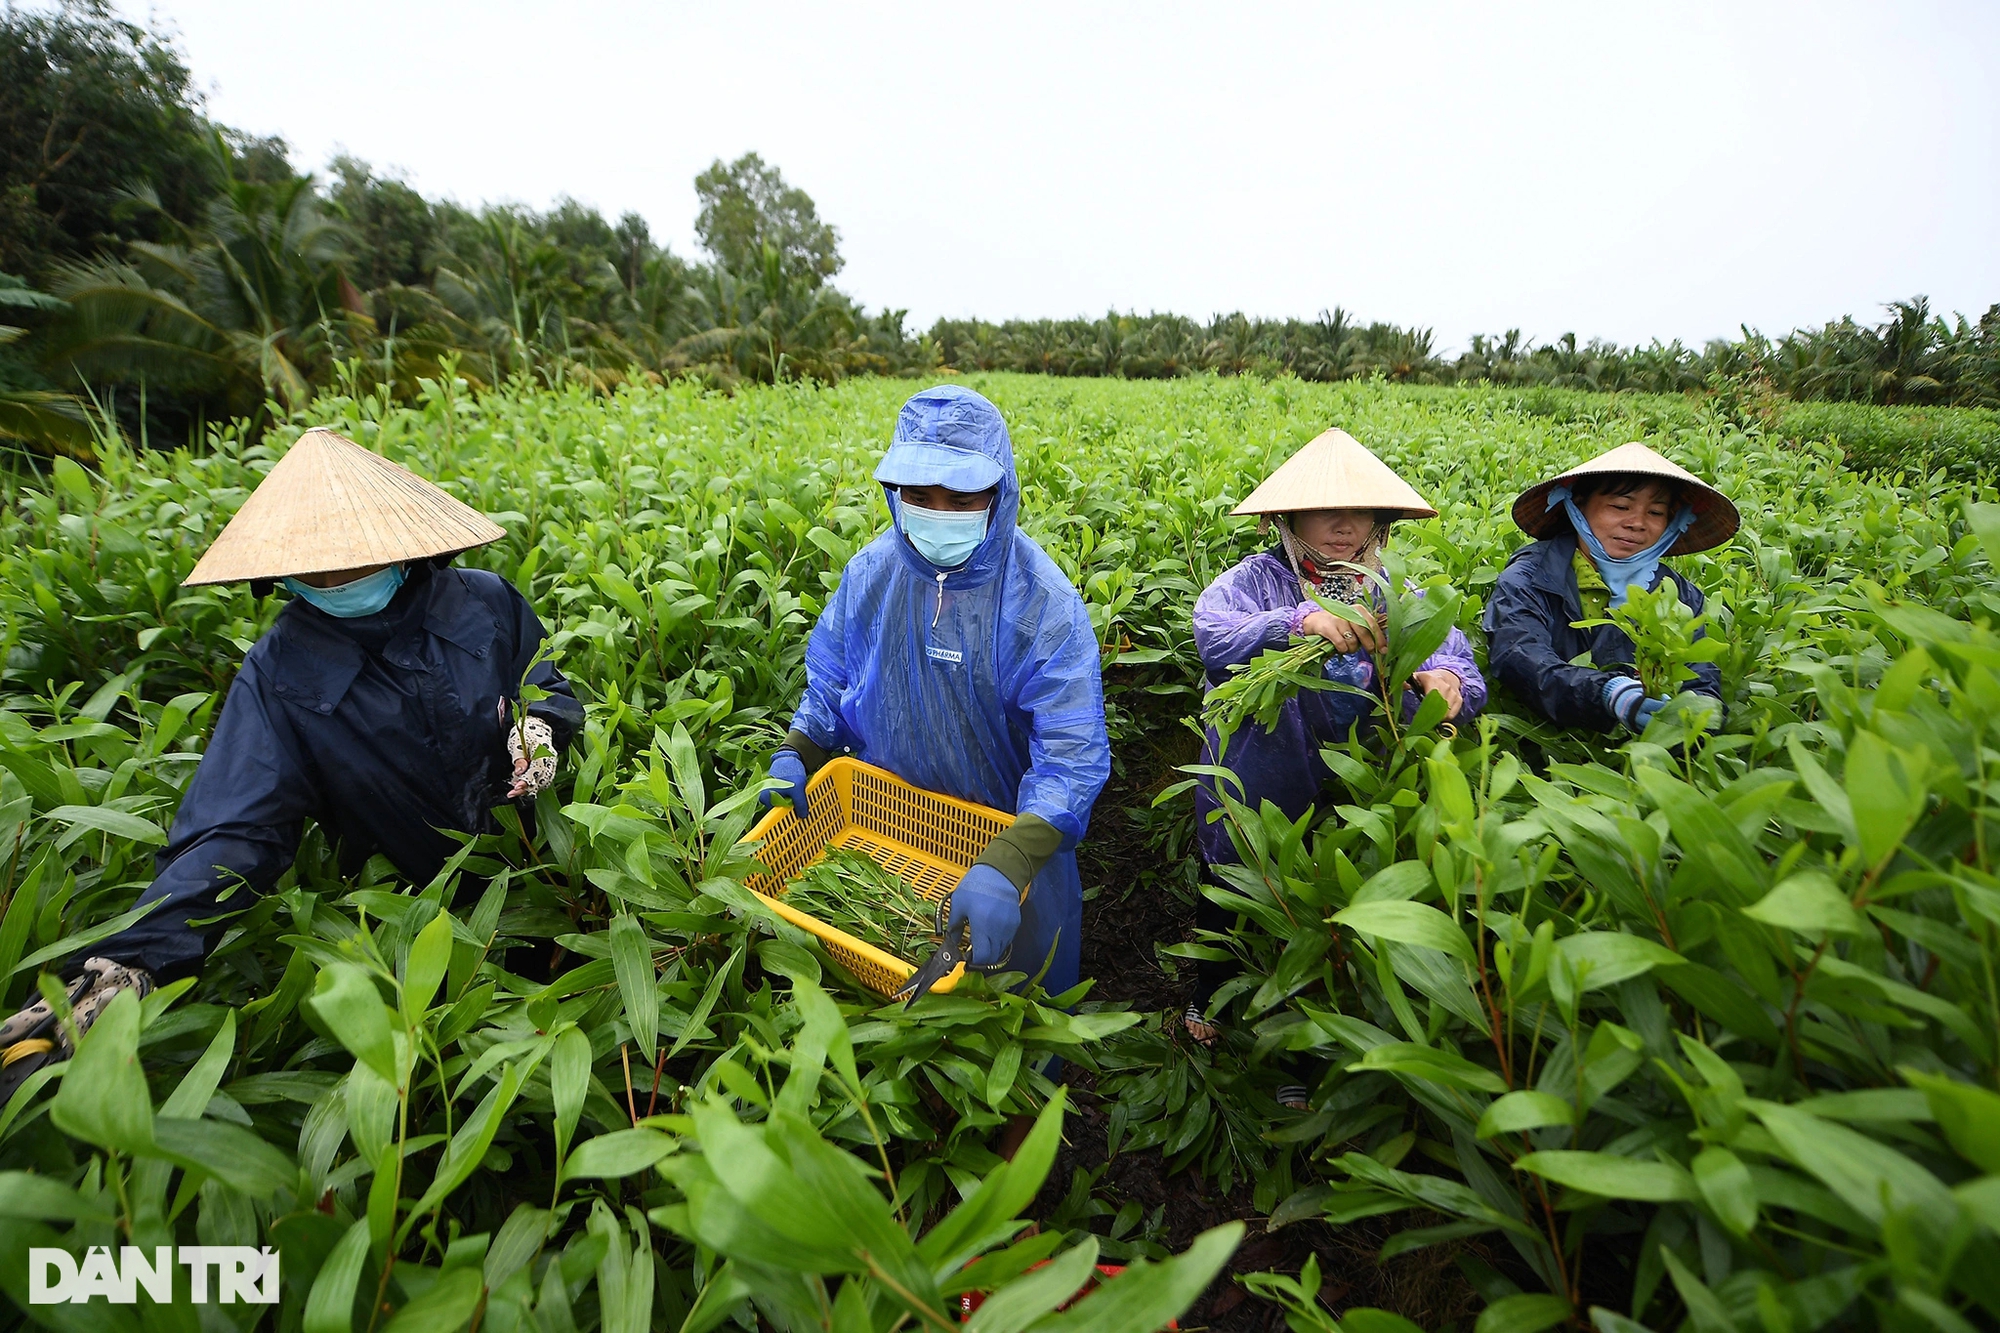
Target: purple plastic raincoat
1257, 605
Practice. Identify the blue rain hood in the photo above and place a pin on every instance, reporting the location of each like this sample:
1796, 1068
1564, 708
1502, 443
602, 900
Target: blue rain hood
986, 688
974, 429
947, 436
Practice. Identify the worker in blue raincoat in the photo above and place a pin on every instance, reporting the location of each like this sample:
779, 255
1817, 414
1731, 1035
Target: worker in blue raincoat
1602, 529
382, 705
957, 655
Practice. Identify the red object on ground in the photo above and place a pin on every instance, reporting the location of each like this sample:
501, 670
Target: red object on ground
972, 1300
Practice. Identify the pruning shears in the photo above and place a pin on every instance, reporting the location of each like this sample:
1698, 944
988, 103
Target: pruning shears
937, 967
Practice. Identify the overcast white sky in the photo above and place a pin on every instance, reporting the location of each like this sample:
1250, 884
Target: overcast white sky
1621, 170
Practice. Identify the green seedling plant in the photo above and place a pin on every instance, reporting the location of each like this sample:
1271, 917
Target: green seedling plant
1667, 638
1699, 1039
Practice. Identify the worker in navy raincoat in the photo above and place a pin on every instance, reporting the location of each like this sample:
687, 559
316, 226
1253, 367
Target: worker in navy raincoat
957, 655
382, 706
1602, 530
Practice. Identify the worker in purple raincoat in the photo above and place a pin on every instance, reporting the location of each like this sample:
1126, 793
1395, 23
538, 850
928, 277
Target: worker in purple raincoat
1332, 504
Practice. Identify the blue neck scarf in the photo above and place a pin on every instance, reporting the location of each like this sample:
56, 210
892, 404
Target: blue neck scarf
1620, 575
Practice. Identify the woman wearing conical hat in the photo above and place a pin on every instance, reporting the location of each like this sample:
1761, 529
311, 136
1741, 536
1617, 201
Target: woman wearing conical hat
381, 705
1601, 530
1332, 504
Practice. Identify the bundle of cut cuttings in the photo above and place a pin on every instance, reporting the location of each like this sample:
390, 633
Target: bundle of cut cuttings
852, 892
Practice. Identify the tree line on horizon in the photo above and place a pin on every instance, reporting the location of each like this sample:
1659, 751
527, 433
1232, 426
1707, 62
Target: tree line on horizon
173, 272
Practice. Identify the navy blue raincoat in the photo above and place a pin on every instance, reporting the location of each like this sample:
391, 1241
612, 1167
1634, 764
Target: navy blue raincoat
1530, 642
384, 730
980, 682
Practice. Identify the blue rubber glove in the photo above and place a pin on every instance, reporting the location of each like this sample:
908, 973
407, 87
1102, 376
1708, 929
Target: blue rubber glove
987, 901
787, 767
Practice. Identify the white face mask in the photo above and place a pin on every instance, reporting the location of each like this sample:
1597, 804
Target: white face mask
944, 538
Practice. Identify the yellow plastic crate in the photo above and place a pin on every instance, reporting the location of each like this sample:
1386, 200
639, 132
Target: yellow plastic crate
928, 839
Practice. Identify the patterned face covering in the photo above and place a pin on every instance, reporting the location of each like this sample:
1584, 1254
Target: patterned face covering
1329, 577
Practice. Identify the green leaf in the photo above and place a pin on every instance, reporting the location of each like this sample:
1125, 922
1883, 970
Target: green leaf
1870, 1177
697, 1020
1146, 1296
569, 1083
618, 1154
1006, 1190
517, 1243
1602, 958
103, 1099
1021, 1302
763, 1184
687, 771
430, 956
1886, 788
1612, 1177
1707, 836
77, 943
1519, 1111
447, 1305
1968, 1115
1705, 1309
230, 1153
73, 481
1716, 996
1726, 1187
1396, 882
638, 985
1808, 903
35, 1198
1413, 1061
1367, 1319
1000, 1075
347, 1002
1530, 1312
330, 1307
1407, 923
1981, 1198
1983, 521
468, 1146
117, 823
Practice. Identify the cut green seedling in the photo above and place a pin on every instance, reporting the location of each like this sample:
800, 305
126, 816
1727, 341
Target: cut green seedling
850, 891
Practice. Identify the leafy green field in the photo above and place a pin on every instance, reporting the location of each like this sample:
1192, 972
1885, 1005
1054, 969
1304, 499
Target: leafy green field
1646, 1035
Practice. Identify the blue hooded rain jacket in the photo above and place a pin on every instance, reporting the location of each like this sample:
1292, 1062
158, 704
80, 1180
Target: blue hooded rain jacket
981, 682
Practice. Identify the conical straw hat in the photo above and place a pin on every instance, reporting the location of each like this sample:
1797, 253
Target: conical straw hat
1335, 472
330, 504
1715, 522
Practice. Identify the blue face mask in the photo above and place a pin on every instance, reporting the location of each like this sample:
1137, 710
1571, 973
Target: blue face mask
1620, 575
947, 540
362, 597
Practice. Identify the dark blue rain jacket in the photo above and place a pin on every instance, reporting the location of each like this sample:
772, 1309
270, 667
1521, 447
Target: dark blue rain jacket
384, 730
1530, 642
981, 682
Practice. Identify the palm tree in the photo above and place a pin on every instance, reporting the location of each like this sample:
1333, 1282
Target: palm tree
252, 305
41, 418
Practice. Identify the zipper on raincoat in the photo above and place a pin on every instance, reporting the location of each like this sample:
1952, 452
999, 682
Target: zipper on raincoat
940, 601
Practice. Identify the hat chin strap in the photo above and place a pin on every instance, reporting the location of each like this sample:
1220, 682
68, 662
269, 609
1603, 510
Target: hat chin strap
1297, 551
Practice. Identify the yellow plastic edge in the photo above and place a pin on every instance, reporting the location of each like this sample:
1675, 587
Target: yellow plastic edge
835, 773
